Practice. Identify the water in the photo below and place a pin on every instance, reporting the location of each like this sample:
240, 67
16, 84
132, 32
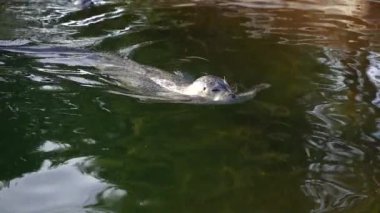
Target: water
307, 144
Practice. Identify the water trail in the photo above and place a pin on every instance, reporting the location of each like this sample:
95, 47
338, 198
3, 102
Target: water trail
137, 81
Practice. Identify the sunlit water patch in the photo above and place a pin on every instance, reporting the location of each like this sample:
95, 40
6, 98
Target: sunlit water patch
68, 187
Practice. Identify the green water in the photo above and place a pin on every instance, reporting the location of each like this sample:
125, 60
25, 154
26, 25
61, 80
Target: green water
307, 144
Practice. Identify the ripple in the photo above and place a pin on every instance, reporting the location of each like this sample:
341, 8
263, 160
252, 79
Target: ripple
82, 81
113, 194
373, 73
89, 141
274, 4
16, 42
3, 79
329, 114
295, 21
96, 18
184, 5
38, 78
344, 151
330, 196
53, 146
101, 104
51, 88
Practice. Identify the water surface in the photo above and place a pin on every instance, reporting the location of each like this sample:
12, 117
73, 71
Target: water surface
307, 144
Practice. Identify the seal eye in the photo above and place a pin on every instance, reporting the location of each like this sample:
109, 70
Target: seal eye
204, 88
215, 90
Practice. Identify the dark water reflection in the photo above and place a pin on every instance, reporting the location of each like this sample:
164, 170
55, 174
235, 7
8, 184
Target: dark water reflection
310, 143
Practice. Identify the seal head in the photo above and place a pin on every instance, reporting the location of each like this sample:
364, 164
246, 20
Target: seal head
210, 87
